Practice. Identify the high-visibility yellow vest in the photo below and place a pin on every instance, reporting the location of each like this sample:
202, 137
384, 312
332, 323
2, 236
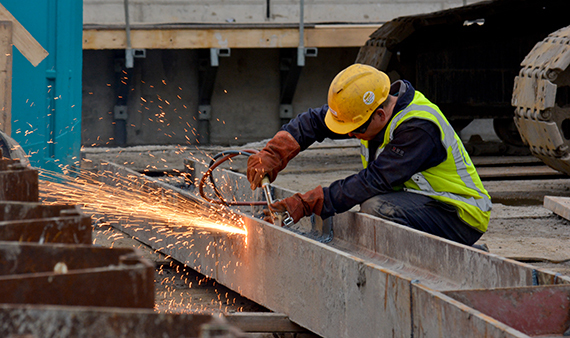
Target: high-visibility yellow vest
454, 181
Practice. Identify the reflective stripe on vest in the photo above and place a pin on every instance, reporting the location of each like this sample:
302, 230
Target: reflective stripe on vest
474, 204
364, 153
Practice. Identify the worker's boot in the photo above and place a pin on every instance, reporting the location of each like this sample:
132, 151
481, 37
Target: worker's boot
483, 247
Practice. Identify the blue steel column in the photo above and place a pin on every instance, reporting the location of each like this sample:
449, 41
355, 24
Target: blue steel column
46, 100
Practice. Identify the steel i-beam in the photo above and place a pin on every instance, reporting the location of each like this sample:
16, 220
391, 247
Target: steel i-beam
375, 278
84, 275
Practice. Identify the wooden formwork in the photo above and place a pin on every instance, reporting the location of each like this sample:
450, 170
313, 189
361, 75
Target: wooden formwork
375, 278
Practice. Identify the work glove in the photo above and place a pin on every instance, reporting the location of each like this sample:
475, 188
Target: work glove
301, 205
272, 158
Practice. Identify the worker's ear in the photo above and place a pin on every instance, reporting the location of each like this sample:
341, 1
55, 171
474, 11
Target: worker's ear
381, 113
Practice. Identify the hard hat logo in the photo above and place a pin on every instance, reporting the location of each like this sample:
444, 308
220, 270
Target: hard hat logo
368, 98
349, 108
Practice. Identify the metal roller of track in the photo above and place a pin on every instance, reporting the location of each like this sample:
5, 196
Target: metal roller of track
541, 97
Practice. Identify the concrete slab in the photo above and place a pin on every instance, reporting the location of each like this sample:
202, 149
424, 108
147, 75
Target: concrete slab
257, 11
501, 211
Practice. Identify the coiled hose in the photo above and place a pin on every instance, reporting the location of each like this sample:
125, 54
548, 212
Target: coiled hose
218, 159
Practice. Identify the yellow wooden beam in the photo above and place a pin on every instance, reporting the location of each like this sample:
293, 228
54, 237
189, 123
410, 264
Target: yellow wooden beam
23, 40
6, 77
190, 38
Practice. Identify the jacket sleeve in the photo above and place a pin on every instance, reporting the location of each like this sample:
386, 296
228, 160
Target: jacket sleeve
416, 146
310, 126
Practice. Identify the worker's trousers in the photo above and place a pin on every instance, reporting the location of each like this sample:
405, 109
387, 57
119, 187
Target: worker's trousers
421, 213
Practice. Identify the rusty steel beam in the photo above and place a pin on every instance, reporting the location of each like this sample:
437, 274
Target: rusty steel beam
263, 322
68, 274
72, 229
438, 315
535, 311
90, 322
24, 219
17, 182
363, 283
13, 210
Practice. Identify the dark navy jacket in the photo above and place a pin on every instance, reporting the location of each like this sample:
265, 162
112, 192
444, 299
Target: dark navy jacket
416, 146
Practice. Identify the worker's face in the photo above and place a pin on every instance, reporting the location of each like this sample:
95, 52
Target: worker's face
378, 122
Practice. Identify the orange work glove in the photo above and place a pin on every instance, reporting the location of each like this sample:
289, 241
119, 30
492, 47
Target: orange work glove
272, 158
303, 205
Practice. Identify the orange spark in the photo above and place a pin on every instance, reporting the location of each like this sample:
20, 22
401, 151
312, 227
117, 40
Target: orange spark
132, 201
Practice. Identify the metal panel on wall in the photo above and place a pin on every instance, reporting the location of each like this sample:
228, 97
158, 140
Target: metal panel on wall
46, 100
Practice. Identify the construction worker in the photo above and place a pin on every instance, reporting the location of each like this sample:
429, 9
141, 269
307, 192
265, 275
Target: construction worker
416, 170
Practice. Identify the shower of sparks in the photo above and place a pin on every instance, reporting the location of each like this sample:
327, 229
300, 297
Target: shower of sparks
178, 222
130, 200
127, 201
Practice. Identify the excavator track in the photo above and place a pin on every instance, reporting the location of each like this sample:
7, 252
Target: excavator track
541, 96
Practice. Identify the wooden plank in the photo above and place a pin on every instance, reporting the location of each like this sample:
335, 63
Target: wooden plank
558, 205
6, 76
182, 38
263, 322
344, 36
23, 40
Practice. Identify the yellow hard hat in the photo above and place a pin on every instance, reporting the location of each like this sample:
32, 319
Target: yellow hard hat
354, 95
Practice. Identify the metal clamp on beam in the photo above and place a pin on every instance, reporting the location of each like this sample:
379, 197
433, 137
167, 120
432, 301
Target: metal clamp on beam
286, 111
215, 53
139, 53
311, 52
204, 112
303, 52
120, 112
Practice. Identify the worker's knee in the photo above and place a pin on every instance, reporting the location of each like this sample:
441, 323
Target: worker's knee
377, 206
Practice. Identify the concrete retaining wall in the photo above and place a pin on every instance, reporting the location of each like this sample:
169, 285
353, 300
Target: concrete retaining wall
245, 101
162, 104
258, 11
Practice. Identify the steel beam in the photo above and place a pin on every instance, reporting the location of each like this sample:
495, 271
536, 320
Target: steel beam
364, 283
36, 222
82, 275
263, 322
536, 311
12, 210
90, 322
75, 229
438, 315
18, 183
